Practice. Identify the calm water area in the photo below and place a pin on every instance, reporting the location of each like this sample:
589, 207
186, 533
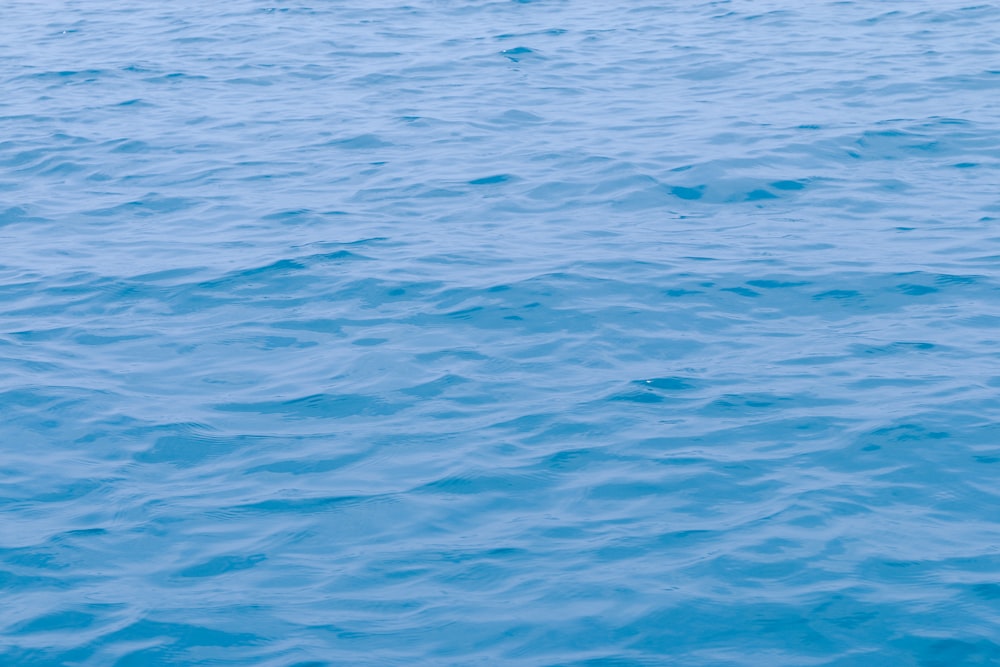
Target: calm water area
496, 332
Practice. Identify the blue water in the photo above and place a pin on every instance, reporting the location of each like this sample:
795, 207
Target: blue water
488, 332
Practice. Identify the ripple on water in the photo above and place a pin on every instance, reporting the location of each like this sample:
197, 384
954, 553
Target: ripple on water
509, 333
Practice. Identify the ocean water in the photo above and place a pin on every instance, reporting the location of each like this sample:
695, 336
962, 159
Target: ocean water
484, 332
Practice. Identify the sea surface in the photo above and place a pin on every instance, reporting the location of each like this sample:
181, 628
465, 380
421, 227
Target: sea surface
495, 332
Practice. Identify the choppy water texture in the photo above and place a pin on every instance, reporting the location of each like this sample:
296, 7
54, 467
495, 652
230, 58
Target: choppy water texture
492, 332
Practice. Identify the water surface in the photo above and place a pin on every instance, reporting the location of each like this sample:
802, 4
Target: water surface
495, 332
